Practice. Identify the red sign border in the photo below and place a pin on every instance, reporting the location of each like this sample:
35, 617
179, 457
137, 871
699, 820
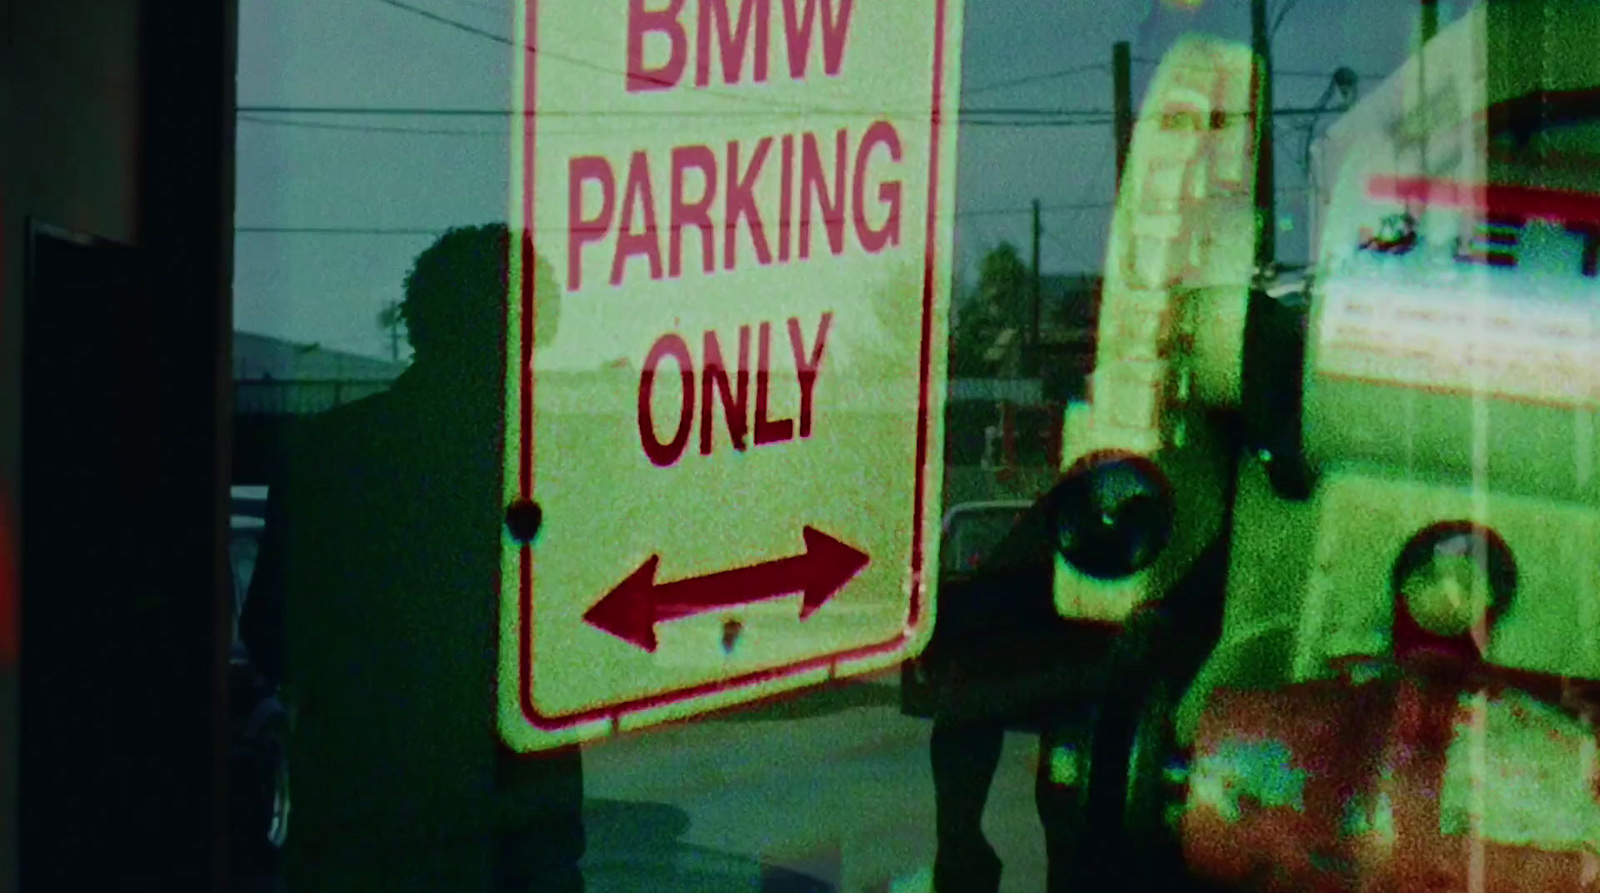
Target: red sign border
530, 711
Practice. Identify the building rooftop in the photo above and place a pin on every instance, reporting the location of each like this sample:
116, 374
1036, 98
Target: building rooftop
262, 357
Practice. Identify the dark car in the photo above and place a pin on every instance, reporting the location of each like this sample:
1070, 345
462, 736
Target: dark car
971, 531
258, 721
968, 535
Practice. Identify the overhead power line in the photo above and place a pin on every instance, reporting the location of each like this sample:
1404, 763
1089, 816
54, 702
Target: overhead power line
450, 23
1036, 121
980, 116
582, 62
340, 230
429, 112
426, 231
498, 8
1073, 122
1278, 72
539, 50
1020, 210
543, 52
370, 128
1277, 22
1037, 78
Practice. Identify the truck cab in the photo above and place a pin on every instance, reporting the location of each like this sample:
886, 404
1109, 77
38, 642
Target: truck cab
1404, 689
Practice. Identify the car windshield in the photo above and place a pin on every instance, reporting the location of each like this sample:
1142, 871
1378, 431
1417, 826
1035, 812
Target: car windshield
974, 533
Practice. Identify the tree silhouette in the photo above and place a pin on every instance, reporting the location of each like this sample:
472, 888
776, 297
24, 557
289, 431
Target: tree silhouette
1003, 281
1000, 302
392, 325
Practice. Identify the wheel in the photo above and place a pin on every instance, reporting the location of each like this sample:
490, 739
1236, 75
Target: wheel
1139, 774
278, 813
260, 790
1155, 792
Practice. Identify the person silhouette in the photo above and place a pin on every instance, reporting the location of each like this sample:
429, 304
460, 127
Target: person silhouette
1002, 659
375, 603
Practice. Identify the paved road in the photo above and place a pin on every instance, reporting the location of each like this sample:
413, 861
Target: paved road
827, 793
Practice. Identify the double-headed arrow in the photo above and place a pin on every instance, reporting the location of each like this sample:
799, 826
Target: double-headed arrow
632, 609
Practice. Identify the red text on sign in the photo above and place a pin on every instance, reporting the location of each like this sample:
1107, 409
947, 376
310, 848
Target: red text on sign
747, 36
710, 385
1504, 212
701, 191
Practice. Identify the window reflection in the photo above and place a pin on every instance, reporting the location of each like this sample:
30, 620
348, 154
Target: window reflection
371, 129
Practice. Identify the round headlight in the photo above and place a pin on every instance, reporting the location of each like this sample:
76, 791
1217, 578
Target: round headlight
1455, 578
1113, 515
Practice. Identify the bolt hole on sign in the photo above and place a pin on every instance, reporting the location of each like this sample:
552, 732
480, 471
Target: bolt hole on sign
747, 207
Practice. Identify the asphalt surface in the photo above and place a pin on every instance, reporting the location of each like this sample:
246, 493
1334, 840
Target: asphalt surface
827, 792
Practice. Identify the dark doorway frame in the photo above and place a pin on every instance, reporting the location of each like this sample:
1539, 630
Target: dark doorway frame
85, 609
188, 67
148, 812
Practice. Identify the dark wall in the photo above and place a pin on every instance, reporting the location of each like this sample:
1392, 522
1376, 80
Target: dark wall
69, 104
186, 233
258, 448
119, 116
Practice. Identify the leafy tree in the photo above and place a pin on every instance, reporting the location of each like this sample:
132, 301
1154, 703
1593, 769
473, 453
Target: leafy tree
390, 323
1003, 284
970, 338
999, 301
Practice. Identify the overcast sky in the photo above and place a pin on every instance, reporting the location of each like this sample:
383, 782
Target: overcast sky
311, 173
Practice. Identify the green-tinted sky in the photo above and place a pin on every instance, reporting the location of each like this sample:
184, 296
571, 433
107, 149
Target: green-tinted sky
429, 172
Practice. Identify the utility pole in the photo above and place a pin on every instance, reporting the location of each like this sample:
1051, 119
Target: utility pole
1427, 28
1266, 200
1035, 353
1121, 104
